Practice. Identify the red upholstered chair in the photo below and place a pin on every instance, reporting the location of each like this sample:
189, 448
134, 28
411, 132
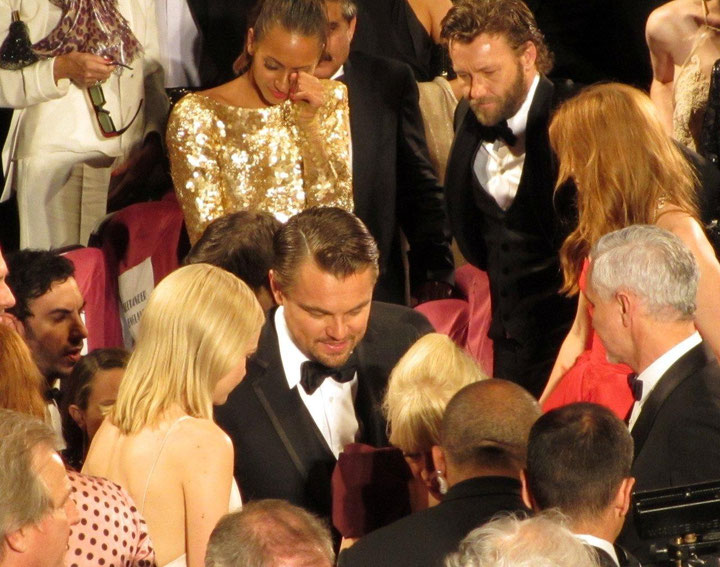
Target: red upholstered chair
144, 242
99, 288
466, 321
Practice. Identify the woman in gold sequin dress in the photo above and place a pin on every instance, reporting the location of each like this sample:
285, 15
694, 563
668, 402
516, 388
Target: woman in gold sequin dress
275, 138
684, 41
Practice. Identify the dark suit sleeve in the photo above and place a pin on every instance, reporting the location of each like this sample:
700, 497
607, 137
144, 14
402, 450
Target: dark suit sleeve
421, 208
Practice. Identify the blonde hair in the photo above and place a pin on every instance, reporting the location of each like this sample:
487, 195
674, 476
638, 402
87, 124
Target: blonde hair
610, 142
195, 329
419, 388
22, 383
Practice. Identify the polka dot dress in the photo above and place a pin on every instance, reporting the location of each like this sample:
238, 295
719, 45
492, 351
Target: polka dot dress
111, 532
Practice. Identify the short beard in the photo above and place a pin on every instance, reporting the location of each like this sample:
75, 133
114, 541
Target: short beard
510, 105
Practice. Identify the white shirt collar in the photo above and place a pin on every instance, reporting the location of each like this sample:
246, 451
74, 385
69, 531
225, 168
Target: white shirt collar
339, 73
653, 373
290, 355
603, 544
518, 122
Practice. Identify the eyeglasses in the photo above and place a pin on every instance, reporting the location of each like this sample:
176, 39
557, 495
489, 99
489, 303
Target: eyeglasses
104, 120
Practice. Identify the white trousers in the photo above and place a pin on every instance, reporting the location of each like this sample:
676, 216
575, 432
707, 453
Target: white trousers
61, 197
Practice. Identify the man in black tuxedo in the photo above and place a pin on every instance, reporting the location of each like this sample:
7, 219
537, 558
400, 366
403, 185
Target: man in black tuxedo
394, 185
500, 179
642, 284
483, 442
579, 459
322, 363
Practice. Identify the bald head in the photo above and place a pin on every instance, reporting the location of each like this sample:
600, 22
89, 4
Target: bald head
486, 426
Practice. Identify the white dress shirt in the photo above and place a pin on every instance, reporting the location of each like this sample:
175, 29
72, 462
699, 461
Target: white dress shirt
653, 373
180, 43
497, 168
331, 405
600, 543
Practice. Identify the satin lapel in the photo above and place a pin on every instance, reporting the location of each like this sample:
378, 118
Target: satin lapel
359, 119
683, 368
285, 409
538, 180
462, 209
367, 404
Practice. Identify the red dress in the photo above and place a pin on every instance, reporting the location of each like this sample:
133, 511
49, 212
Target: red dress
592, 378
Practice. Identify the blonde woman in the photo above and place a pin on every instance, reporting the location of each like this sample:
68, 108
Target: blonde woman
21, 384
627, 171
419, 388
159, 441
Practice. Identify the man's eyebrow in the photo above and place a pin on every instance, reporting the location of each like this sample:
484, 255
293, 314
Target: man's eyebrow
325, 312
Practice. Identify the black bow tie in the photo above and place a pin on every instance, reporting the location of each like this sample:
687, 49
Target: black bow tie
501, 131
53, 395
313, 374
635, 385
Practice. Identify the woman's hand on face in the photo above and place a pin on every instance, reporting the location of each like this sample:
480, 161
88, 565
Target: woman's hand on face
308, 93
83, 69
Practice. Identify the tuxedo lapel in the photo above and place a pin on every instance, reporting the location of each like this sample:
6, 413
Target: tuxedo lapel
285, 409
683, 368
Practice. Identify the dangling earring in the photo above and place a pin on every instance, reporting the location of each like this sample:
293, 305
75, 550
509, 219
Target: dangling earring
441, 482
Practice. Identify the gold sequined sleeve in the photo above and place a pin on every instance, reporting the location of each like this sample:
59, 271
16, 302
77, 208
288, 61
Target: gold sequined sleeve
327, 167
193, 150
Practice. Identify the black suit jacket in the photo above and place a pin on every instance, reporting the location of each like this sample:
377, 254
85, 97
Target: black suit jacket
624, 558
522, 262
279, 451
424, 538
394, 185
677, 434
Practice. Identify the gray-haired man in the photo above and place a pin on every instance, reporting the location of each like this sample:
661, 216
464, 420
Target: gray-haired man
642, 285
36, 510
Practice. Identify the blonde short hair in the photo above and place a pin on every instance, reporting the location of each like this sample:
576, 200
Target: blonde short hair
195, 329
419, 388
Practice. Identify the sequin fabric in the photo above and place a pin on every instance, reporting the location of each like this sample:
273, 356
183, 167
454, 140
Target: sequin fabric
225, 159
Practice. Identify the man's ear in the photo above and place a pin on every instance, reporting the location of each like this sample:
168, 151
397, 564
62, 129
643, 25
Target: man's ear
529, 56
526, 495
275, 288
623, 498
17, 540
352, 25
626, 305
78, 416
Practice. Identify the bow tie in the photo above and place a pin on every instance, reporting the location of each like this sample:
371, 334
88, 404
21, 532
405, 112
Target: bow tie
53, 395
313, 374
501, 131
635, 385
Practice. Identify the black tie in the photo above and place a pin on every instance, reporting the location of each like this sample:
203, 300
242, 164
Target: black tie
635, 385
501, 131
313, 374
53, 395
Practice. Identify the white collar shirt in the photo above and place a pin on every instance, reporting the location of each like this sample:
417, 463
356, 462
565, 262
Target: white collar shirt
498, 169
332, 405
653, 373
600, 543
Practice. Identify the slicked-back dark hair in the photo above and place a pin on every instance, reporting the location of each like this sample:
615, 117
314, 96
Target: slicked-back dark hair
240, 243
336, 240
578, 455
468, 19
31, 274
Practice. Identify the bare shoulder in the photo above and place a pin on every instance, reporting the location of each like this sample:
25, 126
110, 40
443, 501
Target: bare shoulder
671, 22
679, 223
202, 435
